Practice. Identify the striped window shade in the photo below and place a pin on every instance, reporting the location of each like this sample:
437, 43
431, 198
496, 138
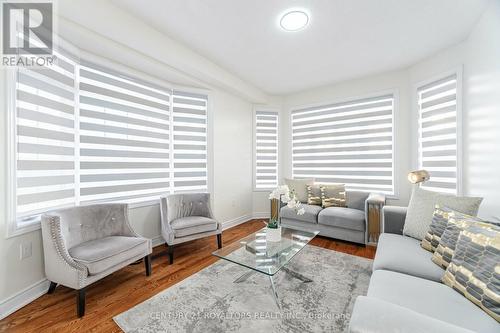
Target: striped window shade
189, 149
437, 135
45, 138
266, 149
349, 143
124, 137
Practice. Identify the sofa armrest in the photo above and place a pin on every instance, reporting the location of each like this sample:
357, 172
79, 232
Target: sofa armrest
376, 199
393, 219
59, 265
374, 315
166, 229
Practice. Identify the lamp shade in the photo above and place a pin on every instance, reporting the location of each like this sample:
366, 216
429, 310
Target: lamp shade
418, 176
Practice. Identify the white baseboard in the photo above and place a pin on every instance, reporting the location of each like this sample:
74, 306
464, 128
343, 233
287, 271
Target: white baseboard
237, 221
261, 215
157, 240
24, 297
28, 295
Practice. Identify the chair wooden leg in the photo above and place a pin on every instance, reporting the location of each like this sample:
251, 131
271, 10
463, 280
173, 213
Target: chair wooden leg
219, 241
80, 302
171, 254
147, 264
52, 287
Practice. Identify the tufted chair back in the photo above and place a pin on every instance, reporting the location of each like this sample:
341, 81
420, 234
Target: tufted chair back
187, 204
86, 223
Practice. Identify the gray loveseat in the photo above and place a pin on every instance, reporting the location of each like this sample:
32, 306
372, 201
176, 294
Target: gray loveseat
406, 293
346, 223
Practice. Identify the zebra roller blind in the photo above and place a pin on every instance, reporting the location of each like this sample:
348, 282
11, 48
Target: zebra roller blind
189, 142
437, 135
266, 149
84, 134
45, 137
124, 138
349, 143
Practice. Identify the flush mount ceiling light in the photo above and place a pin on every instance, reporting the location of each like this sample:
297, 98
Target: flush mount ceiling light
294, 20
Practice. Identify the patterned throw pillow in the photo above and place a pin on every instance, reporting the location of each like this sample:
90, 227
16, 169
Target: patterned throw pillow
457, 222
436, 229
333, 195
314, 195
474, 270
299, 186
421, 208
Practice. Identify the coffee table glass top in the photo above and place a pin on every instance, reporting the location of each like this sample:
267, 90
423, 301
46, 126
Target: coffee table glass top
256, 253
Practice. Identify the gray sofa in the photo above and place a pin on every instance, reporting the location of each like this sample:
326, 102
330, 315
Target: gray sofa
406, 294
346, 223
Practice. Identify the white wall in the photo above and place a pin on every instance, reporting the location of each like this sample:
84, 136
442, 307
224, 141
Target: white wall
479, 55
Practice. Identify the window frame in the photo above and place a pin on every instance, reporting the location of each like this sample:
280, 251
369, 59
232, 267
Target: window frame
395, 130
415, 117
257, 108
10, 78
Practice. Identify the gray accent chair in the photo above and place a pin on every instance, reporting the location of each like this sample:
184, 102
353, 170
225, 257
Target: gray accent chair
405, 292
346, 223
186, 217
84, 244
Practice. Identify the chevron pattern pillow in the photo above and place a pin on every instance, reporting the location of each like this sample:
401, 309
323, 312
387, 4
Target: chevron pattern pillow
457, 222
474, 270
436, 229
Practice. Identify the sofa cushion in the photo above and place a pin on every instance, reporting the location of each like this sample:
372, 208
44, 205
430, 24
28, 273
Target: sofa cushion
375, 315
101, 254
191, 225
310, 215
403, 254
342, 217
421, 208
430, 298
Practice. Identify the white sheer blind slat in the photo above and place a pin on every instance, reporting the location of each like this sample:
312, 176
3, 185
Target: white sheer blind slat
437, 139
266, 149
349, 143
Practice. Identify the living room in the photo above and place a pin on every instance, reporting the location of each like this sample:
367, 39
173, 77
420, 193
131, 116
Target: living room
247, 166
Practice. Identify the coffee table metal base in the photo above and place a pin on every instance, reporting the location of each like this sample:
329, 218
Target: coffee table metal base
287, 270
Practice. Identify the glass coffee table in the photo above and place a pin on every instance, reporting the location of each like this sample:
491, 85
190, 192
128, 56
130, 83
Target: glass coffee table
261, 256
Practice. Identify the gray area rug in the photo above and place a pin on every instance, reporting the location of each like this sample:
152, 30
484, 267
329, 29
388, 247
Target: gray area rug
209, 301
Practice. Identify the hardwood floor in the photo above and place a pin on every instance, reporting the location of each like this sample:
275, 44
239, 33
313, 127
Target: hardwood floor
130, 286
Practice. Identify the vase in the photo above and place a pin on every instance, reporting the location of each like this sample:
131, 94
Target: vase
273, 235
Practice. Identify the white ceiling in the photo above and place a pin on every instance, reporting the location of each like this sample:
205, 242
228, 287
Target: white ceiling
345, 39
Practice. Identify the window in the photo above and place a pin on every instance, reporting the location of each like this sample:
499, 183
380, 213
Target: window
349, 143
266, 149
437, 133
84, 134
44, 138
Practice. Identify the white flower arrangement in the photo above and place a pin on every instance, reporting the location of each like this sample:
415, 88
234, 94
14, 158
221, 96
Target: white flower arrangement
285, 195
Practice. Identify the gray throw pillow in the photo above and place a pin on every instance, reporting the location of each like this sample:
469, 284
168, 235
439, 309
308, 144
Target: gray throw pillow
300, 187
421, 209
